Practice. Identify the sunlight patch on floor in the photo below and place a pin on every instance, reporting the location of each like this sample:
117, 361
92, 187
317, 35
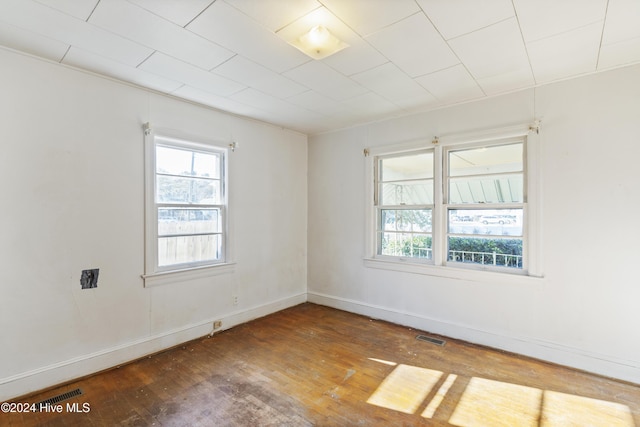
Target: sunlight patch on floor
487, 403
561, 409
439, 397
405, 388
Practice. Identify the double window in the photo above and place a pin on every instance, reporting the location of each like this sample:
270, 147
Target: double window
458, 204
186, 204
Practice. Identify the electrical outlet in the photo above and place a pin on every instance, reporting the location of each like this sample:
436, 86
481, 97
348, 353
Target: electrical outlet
235, 300
217, 324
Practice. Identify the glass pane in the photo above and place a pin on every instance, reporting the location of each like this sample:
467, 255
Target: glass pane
405, 245
171, 189
407, 193
189, 249
173, 221
486, 251
486, 160
406, 220
487, 189
492, 222
412, 166
176, 161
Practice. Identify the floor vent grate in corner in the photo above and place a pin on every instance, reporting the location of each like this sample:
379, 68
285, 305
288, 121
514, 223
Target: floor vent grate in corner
59, 398
432, 340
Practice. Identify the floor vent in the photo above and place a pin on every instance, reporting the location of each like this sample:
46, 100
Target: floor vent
59, 398
432, 340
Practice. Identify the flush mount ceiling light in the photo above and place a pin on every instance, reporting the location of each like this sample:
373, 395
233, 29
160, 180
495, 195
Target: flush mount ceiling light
318, 43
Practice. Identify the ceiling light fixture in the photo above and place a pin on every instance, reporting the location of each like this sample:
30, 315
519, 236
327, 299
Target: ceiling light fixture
318, 43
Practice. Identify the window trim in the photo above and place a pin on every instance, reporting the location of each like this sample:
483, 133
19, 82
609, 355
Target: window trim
438, 266
160, 275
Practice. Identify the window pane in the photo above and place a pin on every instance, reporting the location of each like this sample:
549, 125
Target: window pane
407, 193
492, 222
487, 189
171, 189
405, 245
486, 251
406, 220
189, 249
413, 166
173, 221
176, 161
486, 160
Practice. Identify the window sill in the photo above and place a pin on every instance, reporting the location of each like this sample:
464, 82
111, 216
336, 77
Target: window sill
460, 273
168, 277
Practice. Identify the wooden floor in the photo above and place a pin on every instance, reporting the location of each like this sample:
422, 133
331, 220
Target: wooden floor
313, 365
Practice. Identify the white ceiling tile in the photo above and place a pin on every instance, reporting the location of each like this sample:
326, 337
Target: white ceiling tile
59, 26
359, 56
313, 101
392, 83
544, 18
570, 53
617, 54
180, 12
371, 105
35, 44
414, 45
322, 78
89, 61
274, 14
215, 101
254, 75
79, 8
623, 21
494, 50
455, 18
141, 26
451, 85
234, 30
171, 68
269, 103
369, 16
507, 82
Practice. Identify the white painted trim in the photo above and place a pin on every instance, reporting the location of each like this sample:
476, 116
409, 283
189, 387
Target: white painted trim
67, 370
168, 277
598, 363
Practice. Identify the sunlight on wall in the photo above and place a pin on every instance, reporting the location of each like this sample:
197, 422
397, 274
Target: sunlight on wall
489, 403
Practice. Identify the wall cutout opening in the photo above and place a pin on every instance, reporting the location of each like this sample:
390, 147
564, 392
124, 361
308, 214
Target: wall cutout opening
89, 278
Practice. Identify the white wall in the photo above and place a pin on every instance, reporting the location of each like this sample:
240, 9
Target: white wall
71, 184
585, 312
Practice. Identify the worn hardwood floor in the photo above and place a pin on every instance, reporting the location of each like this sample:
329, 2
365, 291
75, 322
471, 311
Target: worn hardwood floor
313, 365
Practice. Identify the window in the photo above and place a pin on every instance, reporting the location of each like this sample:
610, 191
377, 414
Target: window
454, 203
186, 205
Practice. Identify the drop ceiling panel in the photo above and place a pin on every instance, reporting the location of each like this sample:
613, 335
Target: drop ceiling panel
274, 14
34, 44
207, 98
178, 11
359, 56
445, 15
507, 82
453, 84
371, 105
234, 30
171, 68
545, 18
313, 101
135, 23
414, 45
570, 53
64, 28
623, 21
493, 50
98, 64
391, 83
254, 75
369, 16
318, 76
617, 54
80, 9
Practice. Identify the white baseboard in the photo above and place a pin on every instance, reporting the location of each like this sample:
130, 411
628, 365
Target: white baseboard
58, 373
626, 370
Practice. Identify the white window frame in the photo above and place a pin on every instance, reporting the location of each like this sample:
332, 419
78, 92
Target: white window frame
160, 275
438, 265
